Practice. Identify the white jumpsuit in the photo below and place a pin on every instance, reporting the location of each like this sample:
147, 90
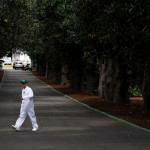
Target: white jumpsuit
27, 108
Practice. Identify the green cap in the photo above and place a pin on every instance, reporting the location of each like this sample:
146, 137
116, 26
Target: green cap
24, 81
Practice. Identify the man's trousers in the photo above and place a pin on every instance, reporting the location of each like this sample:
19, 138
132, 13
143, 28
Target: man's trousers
27, 108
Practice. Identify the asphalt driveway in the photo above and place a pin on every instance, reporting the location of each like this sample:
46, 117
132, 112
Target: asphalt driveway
64, 124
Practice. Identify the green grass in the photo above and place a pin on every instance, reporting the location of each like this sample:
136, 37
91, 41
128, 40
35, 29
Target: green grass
7, 66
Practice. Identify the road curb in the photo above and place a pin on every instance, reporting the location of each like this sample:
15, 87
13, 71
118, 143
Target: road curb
101, 112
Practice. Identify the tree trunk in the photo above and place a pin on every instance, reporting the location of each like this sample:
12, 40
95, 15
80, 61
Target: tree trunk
42, 69
146, 87
113, 81
37, 67
47, 70
89, 82
64, 75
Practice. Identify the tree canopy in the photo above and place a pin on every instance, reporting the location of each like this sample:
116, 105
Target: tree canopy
86, 32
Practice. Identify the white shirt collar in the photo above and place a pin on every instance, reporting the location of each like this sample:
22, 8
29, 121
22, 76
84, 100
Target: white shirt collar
25, 88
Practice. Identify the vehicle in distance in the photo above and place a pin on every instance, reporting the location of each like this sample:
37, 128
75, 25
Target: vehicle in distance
7, 62
17, 65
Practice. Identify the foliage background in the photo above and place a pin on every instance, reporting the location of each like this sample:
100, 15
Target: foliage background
80, 33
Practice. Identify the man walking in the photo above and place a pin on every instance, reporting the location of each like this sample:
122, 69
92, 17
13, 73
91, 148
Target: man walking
27, 108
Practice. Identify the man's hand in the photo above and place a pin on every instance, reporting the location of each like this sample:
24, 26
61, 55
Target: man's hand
21, 98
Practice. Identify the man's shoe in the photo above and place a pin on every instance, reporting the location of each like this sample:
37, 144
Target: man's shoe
35, 129
15, 128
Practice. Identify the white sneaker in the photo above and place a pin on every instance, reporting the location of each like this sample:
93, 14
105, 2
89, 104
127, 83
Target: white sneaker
13, 126
35, 129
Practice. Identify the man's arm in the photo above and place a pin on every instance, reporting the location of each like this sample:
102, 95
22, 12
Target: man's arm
29, 94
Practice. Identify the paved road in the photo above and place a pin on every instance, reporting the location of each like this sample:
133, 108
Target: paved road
64, 124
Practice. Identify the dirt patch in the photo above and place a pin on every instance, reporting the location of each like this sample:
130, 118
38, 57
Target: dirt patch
132, 112
1, 74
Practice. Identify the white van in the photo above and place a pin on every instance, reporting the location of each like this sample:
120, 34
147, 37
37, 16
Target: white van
7, 62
